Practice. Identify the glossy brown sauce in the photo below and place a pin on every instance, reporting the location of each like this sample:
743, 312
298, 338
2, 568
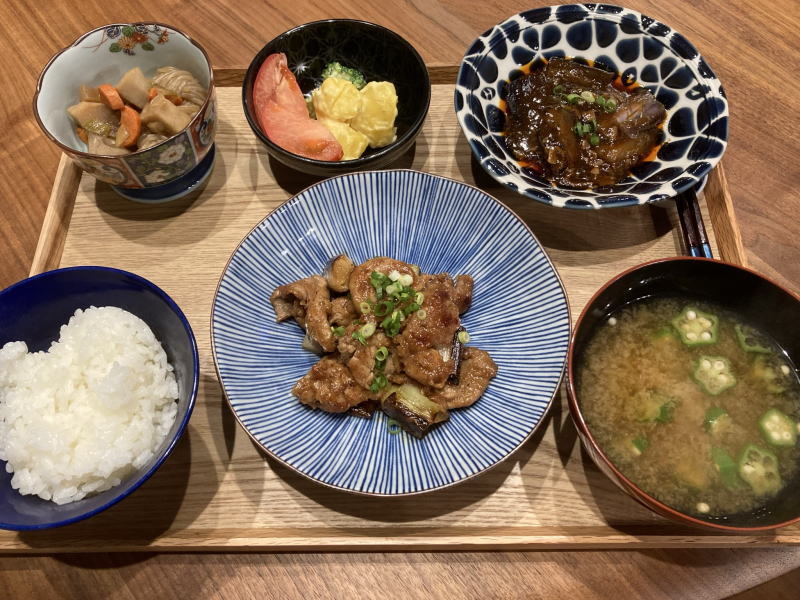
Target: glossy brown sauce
580, 126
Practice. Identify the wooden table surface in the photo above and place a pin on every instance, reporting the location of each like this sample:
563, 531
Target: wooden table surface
752, 48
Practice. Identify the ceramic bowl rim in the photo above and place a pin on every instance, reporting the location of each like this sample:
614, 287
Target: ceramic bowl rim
545, 413
410, 134
577, 415
78, 40
181, 427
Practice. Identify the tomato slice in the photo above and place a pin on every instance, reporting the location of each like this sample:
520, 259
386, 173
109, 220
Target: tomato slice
282, 114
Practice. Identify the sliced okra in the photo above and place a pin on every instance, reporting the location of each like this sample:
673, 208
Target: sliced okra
696, 327
777, 428
714, 374
759, 469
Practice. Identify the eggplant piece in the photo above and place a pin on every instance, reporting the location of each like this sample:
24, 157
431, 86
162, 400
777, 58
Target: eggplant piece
455, 354
364, 410
640, 112
414, 411
337, 273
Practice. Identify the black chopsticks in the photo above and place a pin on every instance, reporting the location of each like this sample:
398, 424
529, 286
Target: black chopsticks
693, 229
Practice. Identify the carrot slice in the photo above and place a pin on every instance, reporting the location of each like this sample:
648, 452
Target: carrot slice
152, 93
83, 135
110, 96
132, 122
176, 100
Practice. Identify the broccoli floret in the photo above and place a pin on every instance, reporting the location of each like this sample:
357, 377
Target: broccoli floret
336, 69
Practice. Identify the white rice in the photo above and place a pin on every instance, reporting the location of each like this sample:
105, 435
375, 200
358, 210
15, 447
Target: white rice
81, 417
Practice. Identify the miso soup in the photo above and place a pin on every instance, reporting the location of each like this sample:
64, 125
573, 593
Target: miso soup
695, 406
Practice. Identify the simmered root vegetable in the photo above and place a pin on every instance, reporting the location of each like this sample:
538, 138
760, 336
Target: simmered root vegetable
696, 407
137, 112
387, 332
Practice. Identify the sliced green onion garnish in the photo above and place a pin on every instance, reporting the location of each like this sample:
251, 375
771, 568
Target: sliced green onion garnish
594, 139
394, 275
573, 98
611, 105
600, 101
592, 126
559, 89
367, 330
364, 307
383, 308
422, 313
587, 95
410, 309
463, 337
357, 336
419, 298
406, 279
338, 331
382, 353
394, 288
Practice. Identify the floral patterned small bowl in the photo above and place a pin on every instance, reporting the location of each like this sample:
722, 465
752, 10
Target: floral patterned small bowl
103, 55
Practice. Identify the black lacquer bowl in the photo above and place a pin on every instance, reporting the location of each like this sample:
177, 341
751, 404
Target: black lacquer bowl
753, 297
379, 53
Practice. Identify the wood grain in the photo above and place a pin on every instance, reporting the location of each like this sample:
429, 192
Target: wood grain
222, 492
752, 47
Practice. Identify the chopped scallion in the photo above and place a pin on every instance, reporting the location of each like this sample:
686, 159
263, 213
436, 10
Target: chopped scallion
594, 139
381, 353
410, 309
394, 275
463, 337
338, 331
422, 314
573, 98
587, 95
559, 89
405, 279
367, 330
419, 298
365, 308
383, 308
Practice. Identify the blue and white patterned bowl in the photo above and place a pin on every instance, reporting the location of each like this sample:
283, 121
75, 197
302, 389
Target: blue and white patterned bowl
159, 173
619, 39
443, 226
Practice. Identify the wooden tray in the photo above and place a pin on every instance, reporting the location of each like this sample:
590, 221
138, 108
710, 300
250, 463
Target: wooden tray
219, 492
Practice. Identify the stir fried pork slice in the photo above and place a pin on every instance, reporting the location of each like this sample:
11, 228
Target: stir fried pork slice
362, 363
477, 369
342, 311
308, 302
441, 318
361, 289
463, 292
428, 367
329, 386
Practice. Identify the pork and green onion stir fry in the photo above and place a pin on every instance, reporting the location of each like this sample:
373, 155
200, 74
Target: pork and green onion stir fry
580, 129
390, 337
695, 406
138, 111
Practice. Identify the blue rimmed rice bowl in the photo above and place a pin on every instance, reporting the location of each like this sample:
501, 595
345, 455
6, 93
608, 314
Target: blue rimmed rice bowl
443, 226
621, 40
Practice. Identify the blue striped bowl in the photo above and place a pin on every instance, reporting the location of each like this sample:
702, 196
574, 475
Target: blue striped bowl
519, 315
